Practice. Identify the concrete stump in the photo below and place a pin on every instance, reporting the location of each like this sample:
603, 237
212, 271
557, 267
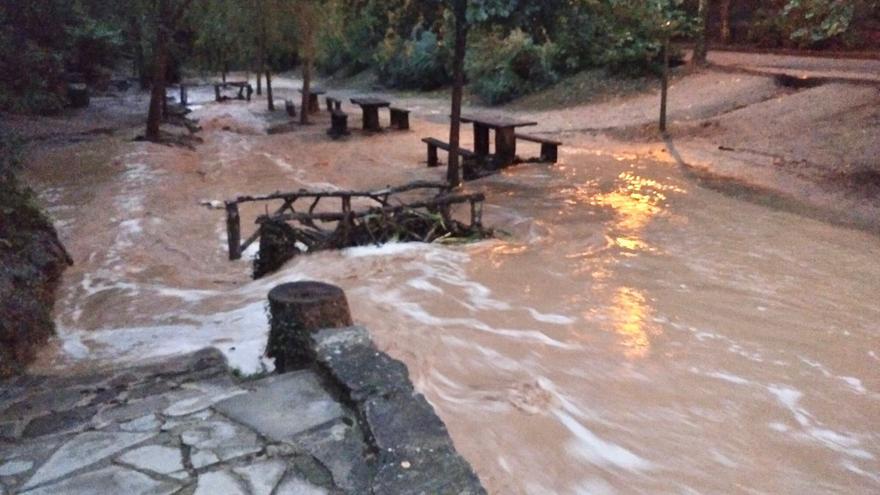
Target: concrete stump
298, 310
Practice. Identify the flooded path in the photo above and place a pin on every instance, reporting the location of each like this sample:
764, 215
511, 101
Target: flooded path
628, 332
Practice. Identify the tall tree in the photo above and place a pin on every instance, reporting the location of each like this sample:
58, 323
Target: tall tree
306, 33
701, 49
453, 172
724, 14
167, 15
466, 13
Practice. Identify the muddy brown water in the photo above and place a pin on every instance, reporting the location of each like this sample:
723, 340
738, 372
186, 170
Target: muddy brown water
628, 331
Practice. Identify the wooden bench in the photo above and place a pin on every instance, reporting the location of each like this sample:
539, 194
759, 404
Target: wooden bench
290, 107
433, 144
338, 124
399, 118
549, 147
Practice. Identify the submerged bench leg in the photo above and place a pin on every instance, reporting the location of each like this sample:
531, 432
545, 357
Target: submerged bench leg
433, 161
371, 119
549, 152
505, 145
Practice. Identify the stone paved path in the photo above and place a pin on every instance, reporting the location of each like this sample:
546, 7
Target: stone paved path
188, 426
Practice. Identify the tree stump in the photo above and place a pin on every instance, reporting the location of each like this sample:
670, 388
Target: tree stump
78, 94
298, 310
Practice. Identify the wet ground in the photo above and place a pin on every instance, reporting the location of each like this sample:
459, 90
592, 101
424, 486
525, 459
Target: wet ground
628, 332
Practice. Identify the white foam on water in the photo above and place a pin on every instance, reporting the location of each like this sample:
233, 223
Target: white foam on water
388, 249
239, 334
73, 347
589, 447
594, 486
844, 443
854, 383
550, 318
424, 285
728, 377
418, 313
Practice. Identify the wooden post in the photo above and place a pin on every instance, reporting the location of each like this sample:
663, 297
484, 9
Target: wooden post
297, 310
233, 230
346, 221
183, 95
216, 92
664, 85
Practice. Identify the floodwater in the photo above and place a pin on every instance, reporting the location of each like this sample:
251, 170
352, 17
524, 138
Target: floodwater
627, 332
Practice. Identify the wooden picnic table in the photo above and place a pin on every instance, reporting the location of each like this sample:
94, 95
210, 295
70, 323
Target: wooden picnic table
244, 89
314, 93
505, 135
370, 107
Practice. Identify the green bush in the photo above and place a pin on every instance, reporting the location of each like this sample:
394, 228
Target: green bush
504, 68
419, 62
812, 23
347, 45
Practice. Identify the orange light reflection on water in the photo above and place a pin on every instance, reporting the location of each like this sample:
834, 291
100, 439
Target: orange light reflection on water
636, 202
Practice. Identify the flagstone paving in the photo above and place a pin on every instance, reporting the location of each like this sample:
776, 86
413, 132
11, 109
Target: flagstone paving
353, 425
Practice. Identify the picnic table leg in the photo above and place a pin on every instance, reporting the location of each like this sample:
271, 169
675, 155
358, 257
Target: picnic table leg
481, 140
371, 118
505, 145
433, 159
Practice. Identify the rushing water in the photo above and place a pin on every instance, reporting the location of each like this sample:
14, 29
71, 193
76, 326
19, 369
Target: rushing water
627, 332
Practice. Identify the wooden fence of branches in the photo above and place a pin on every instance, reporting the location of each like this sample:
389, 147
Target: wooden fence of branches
304, 223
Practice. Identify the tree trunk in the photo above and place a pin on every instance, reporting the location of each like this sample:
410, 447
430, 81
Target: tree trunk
157, 94
306, 91
664, 88
453, 173
701, 49
138, 62
225, 71
725, 21
269, 91
260, 80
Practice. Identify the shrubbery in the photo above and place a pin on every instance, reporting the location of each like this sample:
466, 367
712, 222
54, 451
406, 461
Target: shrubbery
815, 23
418, 62
502, 68
42, 44
347, 45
